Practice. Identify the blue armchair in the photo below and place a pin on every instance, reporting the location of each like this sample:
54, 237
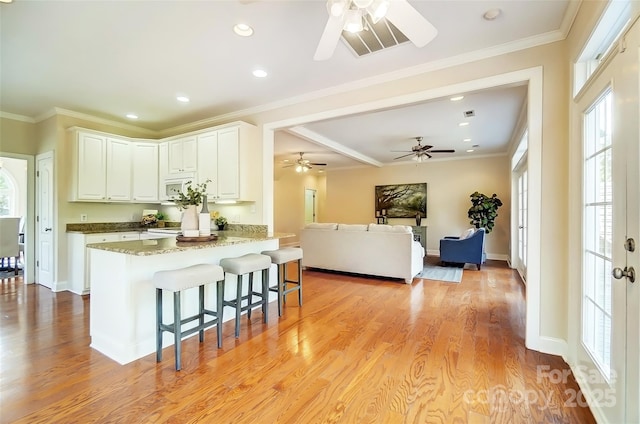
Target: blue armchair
469, 250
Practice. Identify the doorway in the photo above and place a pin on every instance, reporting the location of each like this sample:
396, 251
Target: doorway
309, 206
607, 347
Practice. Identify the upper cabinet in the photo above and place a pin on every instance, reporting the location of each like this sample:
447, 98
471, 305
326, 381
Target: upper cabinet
103, 168
118, 176
183, 154
144, 172
218, 162
90, 175
110, 168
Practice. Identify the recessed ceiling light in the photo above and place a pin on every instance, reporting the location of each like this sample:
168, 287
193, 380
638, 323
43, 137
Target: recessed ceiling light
467, 139
260, 73
492, 14
183, 99
456, 98
463, 124
243, 30
469, 150
132, 116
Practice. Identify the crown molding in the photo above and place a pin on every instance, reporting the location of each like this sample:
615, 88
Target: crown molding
17, 117
103, 121
522, 44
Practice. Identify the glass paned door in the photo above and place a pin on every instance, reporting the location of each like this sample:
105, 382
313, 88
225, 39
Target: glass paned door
522, 223
597, 223
609, 348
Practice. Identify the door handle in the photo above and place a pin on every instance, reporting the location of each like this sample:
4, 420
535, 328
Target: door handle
47, 229
629, 273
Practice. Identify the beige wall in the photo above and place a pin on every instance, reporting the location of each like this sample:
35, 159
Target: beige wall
18, 137
350, 196
288, 192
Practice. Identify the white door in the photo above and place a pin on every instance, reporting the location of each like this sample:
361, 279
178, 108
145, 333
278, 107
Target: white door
45, 230
608, 353
309, 206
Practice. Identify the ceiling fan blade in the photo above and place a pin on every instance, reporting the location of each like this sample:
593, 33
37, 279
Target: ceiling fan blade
401, 151
330, 37
288, 166
403, 156
442, 151
319, 164
428, 155
411, 22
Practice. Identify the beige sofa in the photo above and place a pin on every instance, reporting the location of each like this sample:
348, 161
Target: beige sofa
380, 250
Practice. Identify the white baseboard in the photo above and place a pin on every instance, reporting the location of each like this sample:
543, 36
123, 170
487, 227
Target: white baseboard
550, 345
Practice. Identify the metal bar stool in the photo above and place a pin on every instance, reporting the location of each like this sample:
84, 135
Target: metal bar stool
176, 281
280, 258
248, 264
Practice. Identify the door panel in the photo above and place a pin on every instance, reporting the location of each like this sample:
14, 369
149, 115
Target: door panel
45, 229
608, 352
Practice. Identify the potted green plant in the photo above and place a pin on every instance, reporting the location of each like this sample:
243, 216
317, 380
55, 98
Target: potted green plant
160, 218
188, 203
484, 210
221, 221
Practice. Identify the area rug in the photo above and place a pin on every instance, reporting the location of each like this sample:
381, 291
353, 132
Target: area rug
441, 273
9, 273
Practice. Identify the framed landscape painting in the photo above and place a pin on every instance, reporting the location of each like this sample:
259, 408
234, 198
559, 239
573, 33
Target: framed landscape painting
402, 200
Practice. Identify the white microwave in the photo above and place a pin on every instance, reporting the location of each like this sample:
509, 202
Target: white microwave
174, 184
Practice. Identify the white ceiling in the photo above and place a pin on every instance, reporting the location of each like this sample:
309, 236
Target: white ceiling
110, 58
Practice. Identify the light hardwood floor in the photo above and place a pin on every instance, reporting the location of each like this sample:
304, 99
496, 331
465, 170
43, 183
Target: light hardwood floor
360, 350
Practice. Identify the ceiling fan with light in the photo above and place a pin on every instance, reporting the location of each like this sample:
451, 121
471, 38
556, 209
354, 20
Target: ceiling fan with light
302, 164
419, 151
348, 15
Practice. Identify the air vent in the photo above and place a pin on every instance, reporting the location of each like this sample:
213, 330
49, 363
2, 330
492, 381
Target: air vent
469, 113
374, 37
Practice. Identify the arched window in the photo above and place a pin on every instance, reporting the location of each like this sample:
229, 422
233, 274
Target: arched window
8, 192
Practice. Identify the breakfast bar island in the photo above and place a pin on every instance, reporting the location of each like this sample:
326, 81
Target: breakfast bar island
122, 306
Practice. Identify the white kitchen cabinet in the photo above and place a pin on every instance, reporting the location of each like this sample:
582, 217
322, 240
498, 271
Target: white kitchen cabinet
228, 163
163, 169
118, 177
183, 155
91, 170
102, 168
78, 266
144, 172
218, 161
208, 162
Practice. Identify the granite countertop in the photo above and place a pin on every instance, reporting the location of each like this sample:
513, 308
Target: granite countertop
171, 245
128, 227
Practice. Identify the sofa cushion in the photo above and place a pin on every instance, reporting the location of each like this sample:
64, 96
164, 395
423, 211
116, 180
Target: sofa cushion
381, 228
467, 233
322, 226
352, 227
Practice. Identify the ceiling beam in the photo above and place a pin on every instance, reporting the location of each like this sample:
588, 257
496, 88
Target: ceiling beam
332, 145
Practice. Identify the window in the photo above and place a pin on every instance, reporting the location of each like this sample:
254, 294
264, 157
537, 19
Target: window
609, 28
597, 232
8, 193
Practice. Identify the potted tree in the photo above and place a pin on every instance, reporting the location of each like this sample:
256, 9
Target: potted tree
484, 210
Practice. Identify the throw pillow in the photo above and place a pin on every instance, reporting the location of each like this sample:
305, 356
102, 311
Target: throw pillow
322, 226
352, 227
467, 233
